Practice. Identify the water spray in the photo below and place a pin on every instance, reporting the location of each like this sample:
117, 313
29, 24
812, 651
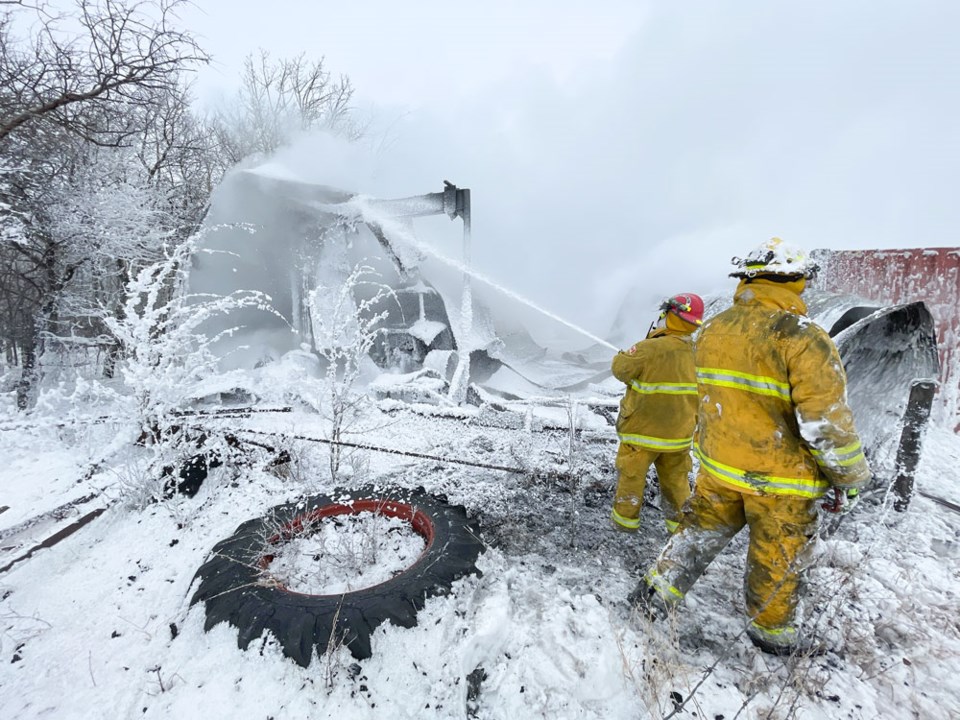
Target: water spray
437, 255
452, 201
382, 213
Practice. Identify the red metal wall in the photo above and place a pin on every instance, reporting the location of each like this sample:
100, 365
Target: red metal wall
890, 277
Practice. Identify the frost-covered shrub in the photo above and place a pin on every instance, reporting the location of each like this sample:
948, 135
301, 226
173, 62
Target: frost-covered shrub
345, 329
167, 356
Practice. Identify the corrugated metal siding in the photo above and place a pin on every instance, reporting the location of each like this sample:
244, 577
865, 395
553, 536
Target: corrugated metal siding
890, 277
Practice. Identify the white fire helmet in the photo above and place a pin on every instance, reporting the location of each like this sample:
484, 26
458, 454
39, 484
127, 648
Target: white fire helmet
775, 257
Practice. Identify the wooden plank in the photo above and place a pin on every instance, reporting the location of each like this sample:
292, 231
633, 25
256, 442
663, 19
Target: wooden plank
57, 537
58, 513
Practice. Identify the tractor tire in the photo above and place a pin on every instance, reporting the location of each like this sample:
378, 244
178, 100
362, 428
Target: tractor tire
235, 588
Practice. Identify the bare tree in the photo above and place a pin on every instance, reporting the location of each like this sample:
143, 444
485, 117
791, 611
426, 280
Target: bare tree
96, 219
345, 328
277, 99
124, 53
177, 154
66, 99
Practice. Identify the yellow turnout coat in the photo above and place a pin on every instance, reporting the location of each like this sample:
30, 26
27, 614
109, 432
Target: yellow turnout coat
656, 421
774, 433
773, 412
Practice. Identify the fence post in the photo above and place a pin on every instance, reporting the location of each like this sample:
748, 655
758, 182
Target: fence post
908, 453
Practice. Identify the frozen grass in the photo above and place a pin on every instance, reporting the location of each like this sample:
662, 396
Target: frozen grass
90, 620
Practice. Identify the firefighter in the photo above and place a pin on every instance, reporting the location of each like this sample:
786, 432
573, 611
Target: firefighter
774, 434
657, 413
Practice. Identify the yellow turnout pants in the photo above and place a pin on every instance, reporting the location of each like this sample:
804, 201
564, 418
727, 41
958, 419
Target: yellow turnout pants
781, 531
673, 471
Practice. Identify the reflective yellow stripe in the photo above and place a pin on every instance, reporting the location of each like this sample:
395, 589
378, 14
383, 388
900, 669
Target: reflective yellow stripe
768, 484
845, 456
758, 384
655, 443
630, 523
662, 587
664, 388
777, 633
672, 526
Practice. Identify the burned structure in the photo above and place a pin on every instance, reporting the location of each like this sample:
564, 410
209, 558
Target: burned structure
298, 242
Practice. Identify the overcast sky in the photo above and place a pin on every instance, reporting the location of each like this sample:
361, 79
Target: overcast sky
618, 147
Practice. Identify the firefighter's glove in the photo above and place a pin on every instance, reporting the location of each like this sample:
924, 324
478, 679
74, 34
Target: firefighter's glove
842, 501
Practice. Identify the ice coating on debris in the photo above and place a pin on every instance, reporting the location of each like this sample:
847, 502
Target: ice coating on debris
271, 230
295, 376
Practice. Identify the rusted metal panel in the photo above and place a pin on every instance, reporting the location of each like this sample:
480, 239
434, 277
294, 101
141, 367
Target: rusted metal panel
890, 277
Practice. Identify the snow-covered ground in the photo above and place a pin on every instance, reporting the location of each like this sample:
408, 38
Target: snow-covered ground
100, 625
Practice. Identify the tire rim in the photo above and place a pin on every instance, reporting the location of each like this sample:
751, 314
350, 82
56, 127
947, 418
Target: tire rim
299, 526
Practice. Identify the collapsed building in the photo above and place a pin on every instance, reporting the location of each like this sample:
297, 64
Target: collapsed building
298, 242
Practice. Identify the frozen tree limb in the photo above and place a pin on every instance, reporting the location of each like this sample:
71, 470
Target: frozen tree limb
126, 53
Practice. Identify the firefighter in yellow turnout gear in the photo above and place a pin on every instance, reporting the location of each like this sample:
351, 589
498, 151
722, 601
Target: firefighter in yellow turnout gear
774, 434
657, 413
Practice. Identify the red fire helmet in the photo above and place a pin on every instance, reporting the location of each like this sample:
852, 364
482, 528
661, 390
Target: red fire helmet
686, 306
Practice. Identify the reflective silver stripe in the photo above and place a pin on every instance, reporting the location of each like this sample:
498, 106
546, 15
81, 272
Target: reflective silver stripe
759, 384
768, 484
664, 388
655, 443
845, 456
